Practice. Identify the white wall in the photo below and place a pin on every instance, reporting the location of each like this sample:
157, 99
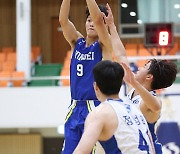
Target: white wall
171, 104
33, 107
37, 107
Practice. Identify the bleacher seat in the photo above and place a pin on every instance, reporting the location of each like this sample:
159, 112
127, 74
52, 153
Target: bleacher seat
46, 70
8, 49
5, 82
11, 57
21, 82
1, 63
36, 54
66, 63
2, 57
66, 70
9, 66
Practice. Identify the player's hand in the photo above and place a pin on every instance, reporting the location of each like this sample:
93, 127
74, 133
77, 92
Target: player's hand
108, 19
129, 75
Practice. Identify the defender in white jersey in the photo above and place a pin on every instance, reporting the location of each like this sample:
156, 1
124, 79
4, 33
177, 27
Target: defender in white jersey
156, 74
119, 127
136, 100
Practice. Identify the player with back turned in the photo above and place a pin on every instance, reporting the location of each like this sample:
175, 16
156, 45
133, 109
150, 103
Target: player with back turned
119, 126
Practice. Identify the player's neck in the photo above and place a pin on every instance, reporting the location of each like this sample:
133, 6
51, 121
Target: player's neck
114, 97
91, 40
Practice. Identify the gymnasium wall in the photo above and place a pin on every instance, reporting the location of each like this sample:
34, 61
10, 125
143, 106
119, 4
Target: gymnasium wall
21, 144
7, 23
47, 107
33, 107
42, 12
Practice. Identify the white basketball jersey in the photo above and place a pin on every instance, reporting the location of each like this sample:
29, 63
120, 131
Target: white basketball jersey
136, 99
132, 135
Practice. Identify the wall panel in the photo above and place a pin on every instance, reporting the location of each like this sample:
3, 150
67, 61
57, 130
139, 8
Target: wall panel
21, 144
42, 11
7, 23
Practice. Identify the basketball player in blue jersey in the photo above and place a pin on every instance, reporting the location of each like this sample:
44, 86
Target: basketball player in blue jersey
87, 51
156, 74
119, 127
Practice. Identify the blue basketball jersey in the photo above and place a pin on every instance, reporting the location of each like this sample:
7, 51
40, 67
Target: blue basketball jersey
82, 63
82, 91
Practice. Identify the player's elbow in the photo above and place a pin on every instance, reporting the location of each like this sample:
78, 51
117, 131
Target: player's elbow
61, 20
156, 108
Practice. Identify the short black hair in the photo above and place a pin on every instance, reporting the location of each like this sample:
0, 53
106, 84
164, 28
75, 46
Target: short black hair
101, 7
108, 76
164, 73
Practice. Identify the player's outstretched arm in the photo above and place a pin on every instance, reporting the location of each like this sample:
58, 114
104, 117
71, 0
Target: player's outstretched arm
149, 102
69, 30
101, 29
117, 45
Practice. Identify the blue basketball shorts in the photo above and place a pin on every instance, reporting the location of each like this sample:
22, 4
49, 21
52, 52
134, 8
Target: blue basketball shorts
74, 123
158, 147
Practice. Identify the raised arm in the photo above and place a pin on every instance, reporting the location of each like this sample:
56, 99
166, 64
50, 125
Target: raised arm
69, 31
101, 28
118, 47
149, 103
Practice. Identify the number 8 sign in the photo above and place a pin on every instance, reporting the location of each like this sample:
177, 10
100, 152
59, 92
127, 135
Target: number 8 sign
163, 38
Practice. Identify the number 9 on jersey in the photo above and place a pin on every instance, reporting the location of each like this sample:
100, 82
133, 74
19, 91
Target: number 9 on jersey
79, 70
